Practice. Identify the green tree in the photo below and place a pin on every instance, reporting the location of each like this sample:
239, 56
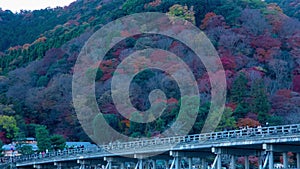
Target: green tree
58, 142
259, 101
134, 6
137, 129
182, 12
202, 114
240, 111
9, 125
239, 94
25, 149
255, 4
43, 81
7, 110
43, 138
239, 91
228, 121
30, 129
160, 123
20, 137
112, 120
20, 140
275, 120
231, 9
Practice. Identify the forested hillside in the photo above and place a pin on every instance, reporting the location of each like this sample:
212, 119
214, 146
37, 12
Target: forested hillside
290, 7
259, 46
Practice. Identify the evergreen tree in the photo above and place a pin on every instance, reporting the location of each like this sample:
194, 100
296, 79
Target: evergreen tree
160, 124
25, 149
239, 91
43, 138
239, 95
259, 101
137, 129
240, 111
58, 142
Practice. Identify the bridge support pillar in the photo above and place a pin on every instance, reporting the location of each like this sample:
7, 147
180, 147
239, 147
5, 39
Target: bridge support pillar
122, 165
232, 162
166, 164
150, 162
246, 162
177, 162
61, 165
37, 166
271, 160
219, 162
285, 160
298, 160
109, 165
140, 164
260, 160
85, 163
119, 161
234, 152
190, 161
203, 163
189, 155
271, 148
43, 166
154, 164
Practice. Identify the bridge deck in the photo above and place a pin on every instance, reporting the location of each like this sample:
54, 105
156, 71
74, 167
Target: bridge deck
252, 138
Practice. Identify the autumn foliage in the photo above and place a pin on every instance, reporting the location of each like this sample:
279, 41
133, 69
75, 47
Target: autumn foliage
257, 43
247, 122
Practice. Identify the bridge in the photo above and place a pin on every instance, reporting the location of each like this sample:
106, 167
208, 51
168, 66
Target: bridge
178, 152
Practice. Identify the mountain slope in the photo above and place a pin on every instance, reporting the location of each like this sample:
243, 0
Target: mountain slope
290, 7
257, 43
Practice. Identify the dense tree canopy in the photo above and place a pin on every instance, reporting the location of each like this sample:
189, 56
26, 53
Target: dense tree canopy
43, 138
257, 43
